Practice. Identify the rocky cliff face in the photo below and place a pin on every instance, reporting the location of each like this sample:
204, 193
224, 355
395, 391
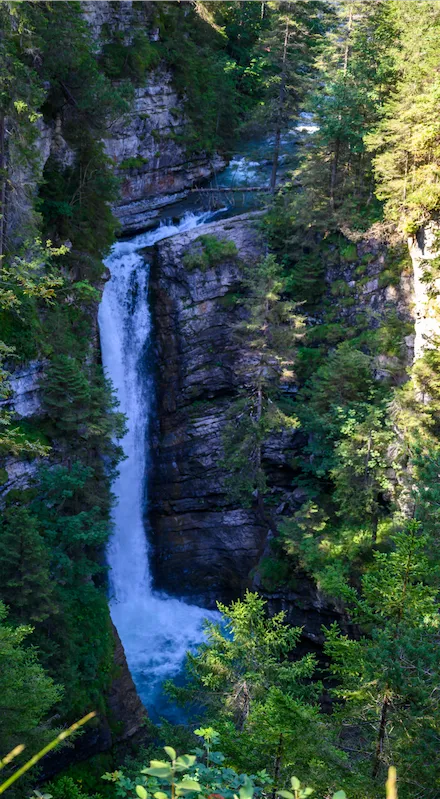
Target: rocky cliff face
154, 168
126, 710
147, 144
423, 249
205, 547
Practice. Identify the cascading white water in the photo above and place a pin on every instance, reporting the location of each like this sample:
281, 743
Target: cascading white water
156, 631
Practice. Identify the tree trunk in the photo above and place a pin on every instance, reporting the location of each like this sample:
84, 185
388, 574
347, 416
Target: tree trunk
277, 769
241, 23
374, 526
347, 41
3, 180
334, 174
281, 101
381, 734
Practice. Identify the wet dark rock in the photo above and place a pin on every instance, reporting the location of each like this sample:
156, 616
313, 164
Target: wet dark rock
205, 547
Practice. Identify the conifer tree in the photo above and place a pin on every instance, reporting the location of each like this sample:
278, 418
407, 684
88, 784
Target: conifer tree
362, 466
269, 333
388, 677
27, 693
259, 694
356, 77
26, 585
67, 396
294, 34
405, 142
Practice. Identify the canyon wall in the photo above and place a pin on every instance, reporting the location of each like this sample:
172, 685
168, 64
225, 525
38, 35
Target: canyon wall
147, 145
205, 547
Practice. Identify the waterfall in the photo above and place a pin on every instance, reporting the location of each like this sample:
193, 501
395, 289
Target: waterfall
156, 630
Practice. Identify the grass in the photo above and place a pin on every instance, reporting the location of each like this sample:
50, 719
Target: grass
208, 251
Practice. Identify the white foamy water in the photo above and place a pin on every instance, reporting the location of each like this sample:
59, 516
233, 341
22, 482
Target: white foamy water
156, 630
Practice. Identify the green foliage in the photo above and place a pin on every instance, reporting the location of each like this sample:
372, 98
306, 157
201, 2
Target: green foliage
27, 693
67, 788
131, 61
204, 75
75, 204
260, 696
405, 140
356, 76
81, 407
244, 656
72, 70
287, 56
386, 678
185, 774
208, 775
134, 162
209, 251
53, 575
362, 467
344, 381
26, 584
22, 282
274, 572
54, 534
269, 332
22, 770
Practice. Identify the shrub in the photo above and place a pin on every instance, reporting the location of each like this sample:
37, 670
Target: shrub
208, 251
133, 61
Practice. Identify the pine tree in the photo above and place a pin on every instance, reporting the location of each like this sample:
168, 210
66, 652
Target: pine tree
27, 693
294, 34
362, 467
269, 333
356, 77
405, 142
343, 384
21, 94
388, 677
26, 585
259, 694
67, 396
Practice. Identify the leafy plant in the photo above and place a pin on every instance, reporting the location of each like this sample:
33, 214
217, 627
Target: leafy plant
208, 251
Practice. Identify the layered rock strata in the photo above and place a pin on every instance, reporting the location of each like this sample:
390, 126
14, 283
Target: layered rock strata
205, 547
147, 145
150, 159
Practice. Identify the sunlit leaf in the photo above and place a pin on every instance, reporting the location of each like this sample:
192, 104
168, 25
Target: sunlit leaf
188, 785
247, 790
185, 762
158, 768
